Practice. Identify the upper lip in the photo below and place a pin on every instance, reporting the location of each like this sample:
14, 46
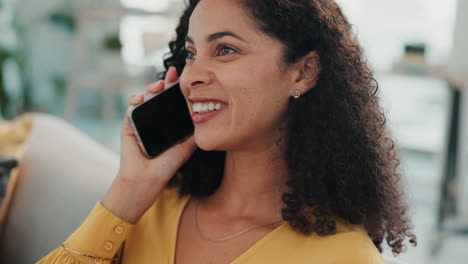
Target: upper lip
199, 99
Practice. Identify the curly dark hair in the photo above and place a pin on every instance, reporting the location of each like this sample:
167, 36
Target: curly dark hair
339, 153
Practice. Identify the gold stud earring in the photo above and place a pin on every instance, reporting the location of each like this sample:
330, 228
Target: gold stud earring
296, 94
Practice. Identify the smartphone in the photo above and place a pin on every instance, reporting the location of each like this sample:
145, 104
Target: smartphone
161, 121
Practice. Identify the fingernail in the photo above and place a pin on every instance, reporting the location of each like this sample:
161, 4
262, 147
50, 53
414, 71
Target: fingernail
158, 86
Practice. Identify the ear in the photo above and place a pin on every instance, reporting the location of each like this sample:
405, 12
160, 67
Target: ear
307, 71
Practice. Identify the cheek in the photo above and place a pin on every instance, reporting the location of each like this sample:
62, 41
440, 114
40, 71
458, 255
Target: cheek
259, 97
259, 108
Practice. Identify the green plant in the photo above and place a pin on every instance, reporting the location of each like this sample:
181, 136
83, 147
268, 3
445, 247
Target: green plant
60, 83
64, 18
4, 99
18, 55
112, 42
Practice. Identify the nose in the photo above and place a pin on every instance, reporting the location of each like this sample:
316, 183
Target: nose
196, 74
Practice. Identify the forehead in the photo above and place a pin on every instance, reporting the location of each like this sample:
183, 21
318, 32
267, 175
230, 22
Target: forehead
212, 16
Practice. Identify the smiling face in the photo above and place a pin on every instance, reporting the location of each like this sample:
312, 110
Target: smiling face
233, 64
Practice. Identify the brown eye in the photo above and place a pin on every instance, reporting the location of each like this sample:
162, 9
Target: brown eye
224, 50
188, 54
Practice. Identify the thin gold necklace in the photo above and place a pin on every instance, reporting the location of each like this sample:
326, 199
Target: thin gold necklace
226, 238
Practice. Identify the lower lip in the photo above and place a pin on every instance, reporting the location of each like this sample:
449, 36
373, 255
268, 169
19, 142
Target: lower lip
202, 118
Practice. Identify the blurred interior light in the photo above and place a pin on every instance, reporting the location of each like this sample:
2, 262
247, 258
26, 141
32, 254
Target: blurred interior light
143, 36
147, 5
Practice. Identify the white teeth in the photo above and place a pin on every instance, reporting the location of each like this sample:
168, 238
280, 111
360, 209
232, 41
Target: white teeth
206, 107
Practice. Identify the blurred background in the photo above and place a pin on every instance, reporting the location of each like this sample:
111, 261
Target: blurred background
81, 60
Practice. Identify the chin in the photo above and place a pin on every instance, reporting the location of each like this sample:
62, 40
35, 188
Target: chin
208, 141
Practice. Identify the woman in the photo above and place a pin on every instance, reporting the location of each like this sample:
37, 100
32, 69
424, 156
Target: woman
296, 166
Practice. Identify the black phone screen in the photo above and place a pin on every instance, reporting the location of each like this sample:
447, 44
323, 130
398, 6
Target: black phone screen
163, 121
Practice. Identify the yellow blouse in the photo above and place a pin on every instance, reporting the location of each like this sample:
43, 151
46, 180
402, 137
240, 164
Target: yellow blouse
153, 240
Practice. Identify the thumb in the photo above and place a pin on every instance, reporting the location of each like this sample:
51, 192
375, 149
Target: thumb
129, 142
173, 158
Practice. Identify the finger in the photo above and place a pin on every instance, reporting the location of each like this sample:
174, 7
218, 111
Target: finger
131, 100
154, 88
126, 128
171, 75
135, 99
190, 144
183, 151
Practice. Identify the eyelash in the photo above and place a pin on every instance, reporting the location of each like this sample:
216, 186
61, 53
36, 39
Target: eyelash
220, 47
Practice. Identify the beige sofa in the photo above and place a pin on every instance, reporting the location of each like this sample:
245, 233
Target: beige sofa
63, 174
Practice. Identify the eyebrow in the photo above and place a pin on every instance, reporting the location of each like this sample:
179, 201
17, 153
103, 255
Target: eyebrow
215, 36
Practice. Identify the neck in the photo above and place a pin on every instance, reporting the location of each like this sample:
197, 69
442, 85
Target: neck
251, 190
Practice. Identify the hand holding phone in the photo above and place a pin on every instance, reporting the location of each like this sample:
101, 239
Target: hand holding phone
161, 121
140, 179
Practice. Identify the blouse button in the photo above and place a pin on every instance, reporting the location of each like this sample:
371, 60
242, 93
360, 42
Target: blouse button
119, 230
98, 261
108, 245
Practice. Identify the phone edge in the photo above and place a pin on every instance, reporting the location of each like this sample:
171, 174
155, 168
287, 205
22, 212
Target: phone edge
130, 110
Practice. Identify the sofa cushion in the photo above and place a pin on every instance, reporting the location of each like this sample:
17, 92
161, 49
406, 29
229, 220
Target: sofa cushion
63, 174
